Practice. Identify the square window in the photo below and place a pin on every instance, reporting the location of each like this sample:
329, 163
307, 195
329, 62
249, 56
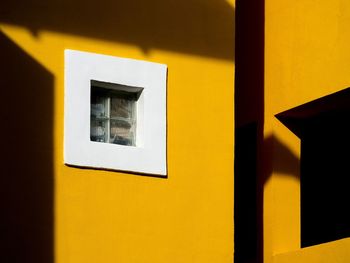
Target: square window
115, 113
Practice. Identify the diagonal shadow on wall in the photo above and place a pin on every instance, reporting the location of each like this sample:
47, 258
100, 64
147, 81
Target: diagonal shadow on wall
200, 27
26, 178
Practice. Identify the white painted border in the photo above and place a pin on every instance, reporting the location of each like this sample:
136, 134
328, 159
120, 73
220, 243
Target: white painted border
150, 156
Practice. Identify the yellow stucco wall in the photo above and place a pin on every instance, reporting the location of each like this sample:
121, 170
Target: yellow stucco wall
306, 57
337, 251
105, 216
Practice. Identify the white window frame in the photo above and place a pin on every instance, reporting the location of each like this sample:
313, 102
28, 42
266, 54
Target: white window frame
149, 155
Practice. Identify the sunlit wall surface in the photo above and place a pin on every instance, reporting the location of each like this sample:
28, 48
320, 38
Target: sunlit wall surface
56, 213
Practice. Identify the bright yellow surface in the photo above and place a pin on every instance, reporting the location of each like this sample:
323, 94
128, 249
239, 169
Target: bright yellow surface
337, 251
104, 216
307, 56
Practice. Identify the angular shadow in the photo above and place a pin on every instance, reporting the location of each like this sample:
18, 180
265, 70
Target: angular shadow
323, 127
284, 160
27, 182
200, 27
249, 123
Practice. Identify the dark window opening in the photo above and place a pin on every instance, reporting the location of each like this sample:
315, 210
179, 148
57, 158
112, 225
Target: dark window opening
113, 113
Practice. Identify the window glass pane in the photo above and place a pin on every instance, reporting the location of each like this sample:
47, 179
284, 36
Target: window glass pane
122, 108
113, 116
122, 132
98, 106
122, 129
98, 130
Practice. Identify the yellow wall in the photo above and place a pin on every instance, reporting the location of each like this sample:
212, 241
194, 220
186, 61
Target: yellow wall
105, 216
337, 251
306, 57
